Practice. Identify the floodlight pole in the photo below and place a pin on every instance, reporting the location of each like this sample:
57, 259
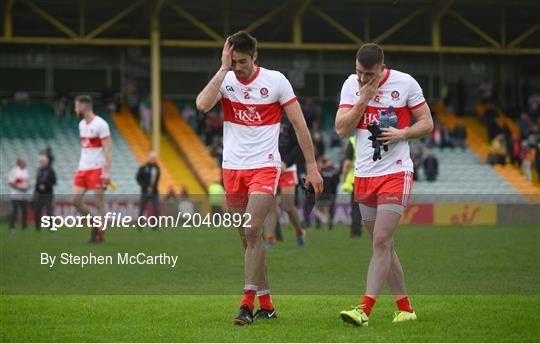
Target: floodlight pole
155, 76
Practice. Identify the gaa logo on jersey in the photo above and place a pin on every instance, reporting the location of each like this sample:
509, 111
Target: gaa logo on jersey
264, 92
395, 95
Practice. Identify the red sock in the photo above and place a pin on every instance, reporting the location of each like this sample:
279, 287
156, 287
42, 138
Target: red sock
100, 235
299, 232
249, 298
271, 240
265, 302
368, 303
403, 305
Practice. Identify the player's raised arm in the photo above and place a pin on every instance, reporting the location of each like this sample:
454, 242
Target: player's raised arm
347, 118
210, 94
296, 117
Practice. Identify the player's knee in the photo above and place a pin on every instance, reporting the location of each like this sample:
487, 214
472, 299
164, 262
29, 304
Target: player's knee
77, 202
289, 207
382, 241
253, 237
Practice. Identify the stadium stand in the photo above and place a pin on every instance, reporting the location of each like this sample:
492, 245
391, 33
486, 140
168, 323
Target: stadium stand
27, 130
478, 142
174, 170
187, 141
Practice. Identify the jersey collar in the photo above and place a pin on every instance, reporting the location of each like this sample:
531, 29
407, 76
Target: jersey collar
90, 121
385, 78
250, 80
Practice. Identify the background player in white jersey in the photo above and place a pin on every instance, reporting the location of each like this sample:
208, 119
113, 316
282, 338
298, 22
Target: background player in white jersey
252, 99
94, 171
382, 186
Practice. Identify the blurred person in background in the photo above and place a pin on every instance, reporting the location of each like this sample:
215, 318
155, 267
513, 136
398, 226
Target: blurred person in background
19, 184
60, 105
491, 116
291, 160
170, 203
460, 135
537, 159
48, 152
417, 157
145, 113
515, 150
185, 205
190, 116
524, 124
324, 209
43, 193
22, 97
216, 195
148, 179
497, 152
94, 170
431, 166
347, 175
461, 97
526, 160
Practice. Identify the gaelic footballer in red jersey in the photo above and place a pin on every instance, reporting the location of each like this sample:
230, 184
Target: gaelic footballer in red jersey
252, 99
382, 187
94, 171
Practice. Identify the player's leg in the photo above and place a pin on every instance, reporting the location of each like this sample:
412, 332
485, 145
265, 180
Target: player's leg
240, 210
78, 196
155, 204
24, 209
39, 204
99, 194
287, 201
264, 288
13, 217
143, 204
256, 274
395, 279
258, 207
270, 224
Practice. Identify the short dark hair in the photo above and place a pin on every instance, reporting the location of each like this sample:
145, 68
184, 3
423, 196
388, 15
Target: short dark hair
85, 99
243, 42
369, 55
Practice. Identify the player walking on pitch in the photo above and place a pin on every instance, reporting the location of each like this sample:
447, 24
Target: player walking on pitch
94, 171
382, 186
252, 99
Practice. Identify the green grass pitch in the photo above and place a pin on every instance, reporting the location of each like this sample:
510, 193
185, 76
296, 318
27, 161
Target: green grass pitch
467, 284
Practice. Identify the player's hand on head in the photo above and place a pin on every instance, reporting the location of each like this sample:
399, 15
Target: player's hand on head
391, 134
226, 55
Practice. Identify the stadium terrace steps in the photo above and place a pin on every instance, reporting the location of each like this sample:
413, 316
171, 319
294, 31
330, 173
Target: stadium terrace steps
174, 171
477, 141
140, 146
28, 130
187, 141
463, 177
178, 168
